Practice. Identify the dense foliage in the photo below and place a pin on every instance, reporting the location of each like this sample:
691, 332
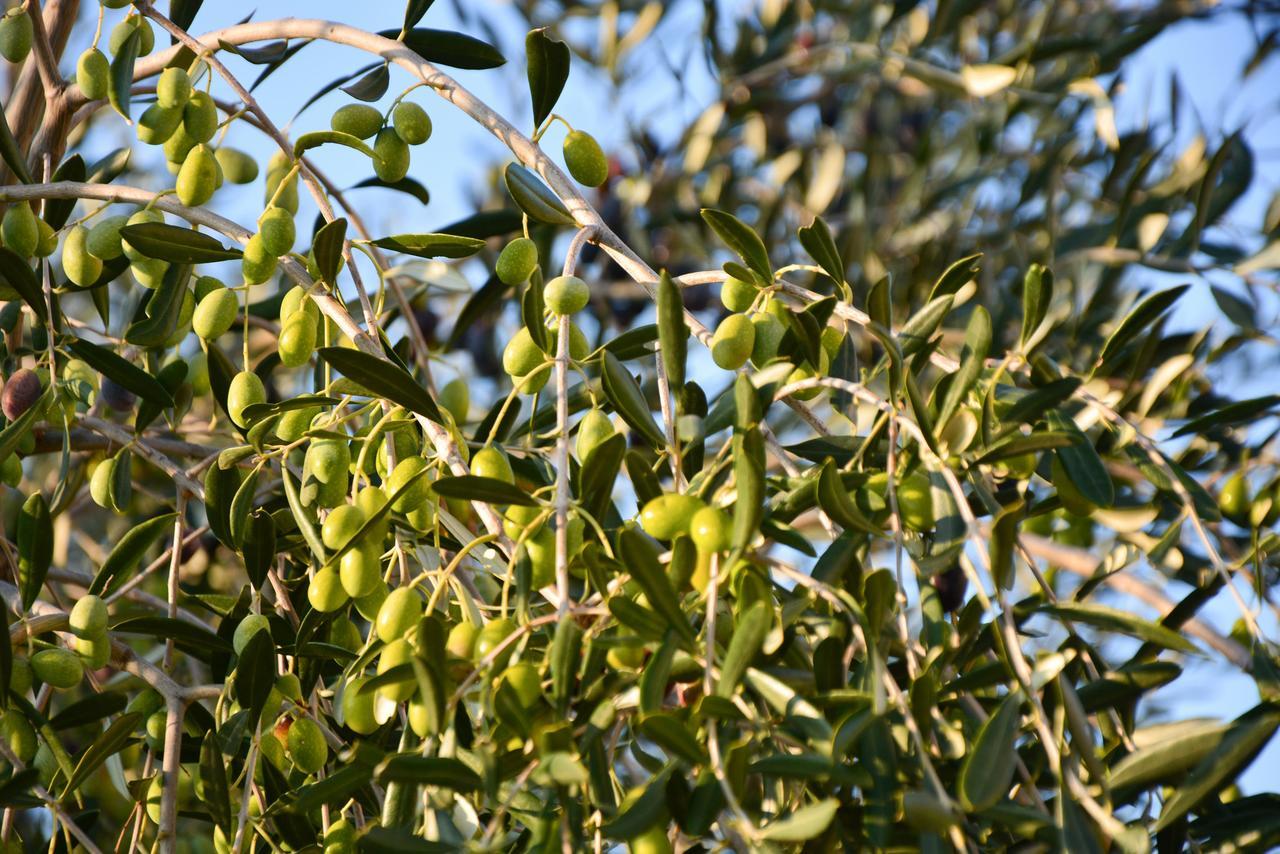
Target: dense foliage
824, 473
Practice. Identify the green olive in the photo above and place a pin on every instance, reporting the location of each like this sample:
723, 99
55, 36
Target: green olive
157, 124
417, 494
769, 331
277, 230
360, 120
455, 397
16, 34
58, 668
297, 340
524, 680
121, 32
258, 264
652, 841
361, 572
20, 230
391, 160
325, 592
738, 295
372, 500
93, 74
358, 707
329, 460
915, 502
517, 261
711, 530
80, 267
294, 423
517, 517
245, 390
1234, 500
394, 654
18, 734
173, 88
411, 122
216, 313
541, 548
104, 238
733, 342
46, 240
566, 295
341, 525
249, 626
200, 117
666, 516
20, 676
491, 635
593, 430
492, 462
462, 640
278, 167
237, 166
199, 177
585, 159
368, 605
522, 355
88, 617
306, 746
95, 651
399, 614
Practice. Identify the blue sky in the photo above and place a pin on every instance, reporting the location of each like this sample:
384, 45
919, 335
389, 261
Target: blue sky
455, 162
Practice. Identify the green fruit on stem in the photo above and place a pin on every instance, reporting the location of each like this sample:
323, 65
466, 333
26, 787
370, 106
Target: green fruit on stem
490, 637
411, 122
1234, 500
178, 146
359, 120
711, 530
517, 261
237, 166
391, 156
341, 525
915, 502
297, 340
88, 617
461, 641
306, 746
566, 295
361, 572
455, 397
325, 592
200, 117
394, 654
216, 313
358, 707
11, 471
121, 32
524, 680
585, 159
95, 651
541, 548
198, 178
768, 335
47, 239
100, 483
372, 501
258, 264
593, 430
104, 238
249, 626
157, 124
666, 516
79, 266
16, 34
18, 735
245, 390
58, 668
414, 495
522, 355
367, 605
93, 74
329, 460
733, 342
492, 462
286, 197
399, 614
20, 676
652, 841
173, 89
19, 229
738, 295
277, 230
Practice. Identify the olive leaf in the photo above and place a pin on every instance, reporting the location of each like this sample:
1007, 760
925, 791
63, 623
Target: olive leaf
432, 245
122, 371
383, 379
534, 198
548, 60
741, 239
446, 47
175, 244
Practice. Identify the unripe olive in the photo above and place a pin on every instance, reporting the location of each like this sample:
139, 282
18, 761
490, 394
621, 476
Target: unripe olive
200, 117
417, 494
198, 374
173, 89
594, 428
329, 460
732, 344
399, 614
367, 605
93, 74
455, 397
245, 390
258, 264
216, 313
121, 32
391, 156
1233, 500
80, 267
104, 238
738, 295
341, 525
411, 122
806, 372
325, 591
58, 668
96, 651
297, 299
915, 502
155, 798
297, 340
237, 167
307, 748
20, 676
517, 518
393, 655
100, 483
249, 626
19, 229
667, 515
11, 471
157, 124
541, 548
585, 159
149, 272
178, 146
21, 391
16, 33
710, 530
361, 572
277, 168
652, 841
294, 423
47, 239
88, 617
522, 355
525, 682
198, 177
277, 230
517, 261
566, 295
462, 640
18, 735
341, 837
491, 636
358, 707
372, 500
360, 120
768, 335
492, 462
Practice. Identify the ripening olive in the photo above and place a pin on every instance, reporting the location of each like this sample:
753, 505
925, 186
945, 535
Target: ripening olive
173, 89
585, 159
19, 229
198, 177
566, 295
21, 391
237, 166
950, 586
58, 668
258, 264
245, 390
80, 267
16, 34
411, 122
391, 156
733, 341
216, 313
88, 617
325, 592
297, 340
93, 74
710, 530
200, 117
517, 261
277, 230
306, 746
738, 295
360, 120
361, 572
667, 515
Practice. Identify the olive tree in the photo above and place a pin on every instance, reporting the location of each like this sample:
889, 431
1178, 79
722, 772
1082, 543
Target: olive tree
837, 478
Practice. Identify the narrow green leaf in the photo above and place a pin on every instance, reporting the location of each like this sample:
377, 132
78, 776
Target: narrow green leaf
445, 47
164, 310
977, 344
1238, 412
432, 245
120, 90
817, 241
487, 489
128, 553
673, 332
1086, 469
428, 771
255, 673
124, 372
1003, 533
176, 244
673, 736
12, 154
1166, 752
638, 556
15, 273
548, 60
1143, 315
112, 741
741, 239
749, 633
956, 276
625, 395
35, 546
534, 197
804, 824
316, 138
1037, 293
1115, 620
987, 771
168, 628
383, 378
